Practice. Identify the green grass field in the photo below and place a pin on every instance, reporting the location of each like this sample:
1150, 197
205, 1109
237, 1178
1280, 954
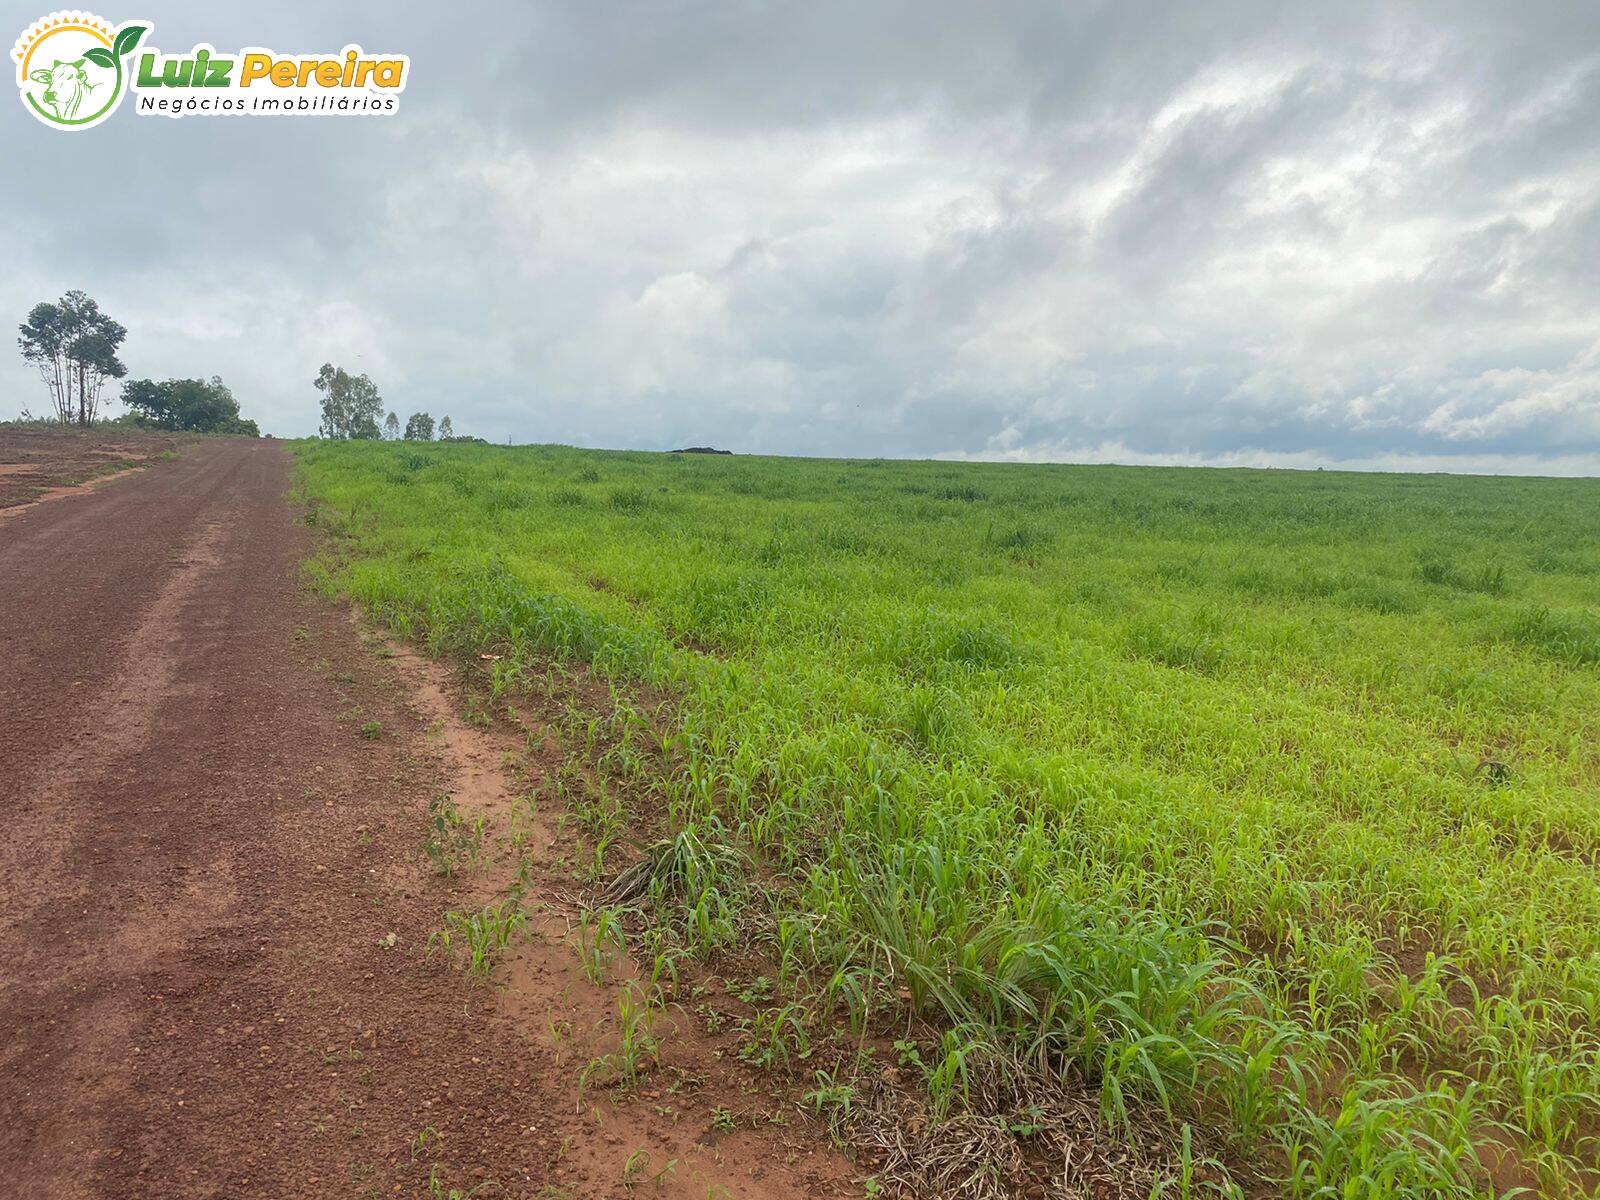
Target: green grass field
1269, 799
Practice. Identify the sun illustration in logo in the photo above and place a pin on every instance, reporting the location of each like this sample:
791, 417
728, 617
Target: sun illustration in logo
70, 67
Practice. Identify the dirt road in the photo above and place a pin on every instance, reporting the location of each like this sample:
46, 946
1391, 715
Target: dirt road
212, 909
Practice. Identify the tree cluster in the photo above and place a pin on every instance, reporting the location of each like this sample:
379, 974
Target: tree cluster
419, 427
195, 405
74, 347
351, 405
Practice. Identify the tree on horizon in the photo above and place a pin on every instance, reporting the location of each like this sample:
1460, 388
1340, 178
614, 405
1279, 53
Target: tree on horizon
74, 346
350, 405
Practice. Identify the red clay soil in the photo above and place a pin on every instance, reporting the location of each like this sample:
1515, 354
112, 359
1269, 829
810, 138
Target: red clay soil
214, 908
36, 462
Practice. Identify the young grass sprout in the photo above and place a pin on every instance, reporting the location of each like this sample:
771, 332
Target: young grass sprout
1157, 785
479, 938
453, 841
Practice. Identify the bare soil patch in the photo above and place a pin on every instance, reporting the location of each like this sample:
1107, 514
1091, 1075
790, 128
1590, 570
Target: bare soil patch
38, 463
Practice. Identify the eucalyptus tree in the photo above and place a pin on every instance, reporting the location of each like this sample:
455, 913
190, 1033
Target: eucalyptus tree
74, 347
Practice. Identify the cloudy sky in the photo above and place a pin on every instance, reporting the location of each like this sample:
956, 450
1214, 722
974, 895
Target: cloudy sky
1294, 234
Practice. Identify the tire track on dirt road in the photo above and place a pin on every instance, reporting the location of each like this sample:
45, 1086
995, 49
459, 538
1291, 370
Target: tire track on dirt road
107, 611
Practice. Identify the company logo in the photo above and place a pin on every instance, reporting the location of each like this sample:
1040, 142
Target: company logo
73, 69
70, 67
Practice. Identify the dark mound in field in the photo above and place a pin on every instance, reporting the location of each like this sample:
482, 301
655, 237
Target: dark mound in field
701, 450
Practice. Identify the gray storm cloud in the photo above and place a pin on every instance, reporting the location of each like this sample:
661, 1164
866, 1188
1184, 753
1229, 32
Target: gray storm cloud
1232, 233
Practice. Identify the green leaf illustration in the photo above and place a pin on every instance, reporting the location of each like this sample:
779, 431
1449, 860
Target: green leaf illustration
128, 39
100, 57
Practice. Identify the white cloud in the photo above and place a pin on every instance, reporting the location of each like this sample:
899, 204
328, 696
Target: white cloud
1263, 234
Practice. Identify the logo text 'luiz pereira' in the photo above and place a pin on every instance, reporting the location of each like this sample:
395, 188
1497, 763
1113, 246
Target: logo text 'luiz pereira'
73, 69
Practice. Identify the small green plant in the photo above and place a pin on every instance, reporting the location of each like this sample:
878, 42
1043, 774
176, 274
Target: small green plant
438, 1191
371, 730
831, 1100
638, 1045
481, 937
637, 1170
477, 714
755, 991
637, 1162
419, 1144
600, 942
775, 1035
452, 841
